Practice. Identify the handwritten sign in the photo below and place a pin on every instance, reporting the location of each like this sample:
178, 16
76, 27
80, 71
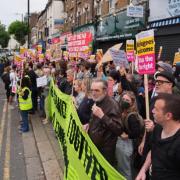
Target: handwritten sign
42, 81
119, 57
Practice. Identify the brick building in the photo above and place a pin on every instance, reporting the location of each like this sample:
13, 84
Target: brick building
106, 19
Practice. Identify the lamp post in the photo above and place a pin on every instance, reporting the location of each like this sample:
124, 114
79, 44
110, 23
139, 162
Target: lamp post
28, 14
115, 22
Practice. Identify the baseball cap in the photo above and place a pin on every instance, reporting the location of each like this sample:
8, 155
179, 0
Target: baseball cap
165, 74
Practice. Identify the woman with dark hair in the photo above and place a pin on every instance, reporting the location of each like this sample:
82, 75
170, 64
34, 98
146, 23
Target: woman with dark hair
127, 142
25, 103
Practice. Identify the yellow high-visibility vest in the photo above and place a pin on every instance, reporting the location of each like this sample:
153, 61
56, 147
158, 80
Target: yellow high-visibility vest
25, 104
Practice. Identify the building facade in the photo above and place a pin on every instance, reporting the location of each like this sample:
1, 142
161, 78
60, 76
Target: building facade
105, 21
166, 23
107, 18
55, 17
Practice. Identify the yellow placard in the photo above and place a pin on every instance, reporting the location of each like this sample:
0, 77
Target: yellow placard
18, 58
129, 47
176, 58
145, 46
22, 50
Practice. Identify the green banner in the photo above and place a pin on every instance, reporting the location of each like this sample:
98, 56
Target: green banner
82, 159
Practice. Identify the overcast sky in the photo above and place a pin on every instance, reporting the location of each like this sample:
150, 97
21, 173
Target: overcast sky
11, 10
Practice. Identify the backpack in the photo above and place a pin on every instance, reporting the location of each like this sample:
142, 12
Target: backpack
6, 78
136, 158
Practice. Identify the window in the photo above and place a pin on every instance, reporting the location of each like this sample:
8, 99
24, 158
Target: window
78, 18
112, 6
86, 14
98, 8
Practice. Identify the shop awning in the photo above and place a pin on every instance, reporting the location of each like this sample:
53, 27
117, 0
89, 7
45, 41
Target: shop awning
165, 22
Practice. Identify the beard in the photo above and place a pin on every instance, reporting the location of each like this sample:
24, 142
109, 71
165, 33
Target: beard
99, 99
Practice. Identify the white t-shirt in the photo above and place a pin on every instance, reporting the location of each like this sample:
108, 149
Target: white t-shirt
13, 78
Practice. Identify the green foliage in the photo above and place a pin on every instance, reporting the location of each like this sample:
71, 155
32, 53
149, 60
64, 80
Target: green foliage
20, 30
4, 36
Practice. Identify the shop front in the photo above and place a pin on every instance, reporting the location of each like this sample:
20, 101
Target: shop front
117, 28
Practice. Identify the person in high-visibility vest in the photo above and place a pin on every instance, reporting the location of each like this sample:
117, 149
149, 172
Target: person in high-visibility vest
25, 103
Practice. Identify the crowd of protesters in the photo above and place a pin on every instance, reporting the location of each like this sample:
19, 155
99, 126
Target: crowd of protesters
110, 103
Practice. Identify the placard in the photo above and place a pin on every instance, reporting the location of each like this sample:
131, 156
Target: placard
42, 81
146, 52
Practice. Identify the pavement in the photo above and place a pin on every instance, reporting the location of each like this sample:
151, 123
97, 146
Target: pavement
48, 148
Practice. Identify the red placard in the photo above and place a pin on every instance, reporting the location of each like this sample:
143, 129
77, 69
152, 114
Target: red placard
79, 42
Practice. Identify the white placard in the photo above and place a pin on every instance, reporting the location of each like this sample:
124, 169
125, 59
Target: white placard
42, 81
119, 57
135, 11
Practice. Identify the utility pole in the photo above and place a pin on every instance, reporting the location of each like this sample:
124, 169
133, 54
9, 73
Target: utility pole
28, 14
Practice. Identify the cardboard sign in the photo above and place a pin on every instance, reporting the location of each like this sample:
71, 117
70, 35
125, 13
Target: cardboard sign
42, 81
146, 52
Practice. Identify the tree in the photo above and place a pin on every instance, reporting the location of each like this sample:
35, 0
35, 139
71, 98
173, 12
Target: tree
19, 30
4, 36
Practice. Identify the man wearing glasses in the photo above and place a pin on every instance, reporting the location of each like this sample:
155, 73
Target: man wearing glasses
164, 82
105, 125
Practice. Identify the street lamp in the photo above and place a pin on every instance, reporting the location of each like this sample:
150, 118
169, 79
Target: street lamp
115, 21
28, 14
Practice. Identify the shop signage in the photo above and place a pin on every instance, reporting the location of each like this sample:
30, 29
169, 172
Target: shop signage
135, 11
119, 26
